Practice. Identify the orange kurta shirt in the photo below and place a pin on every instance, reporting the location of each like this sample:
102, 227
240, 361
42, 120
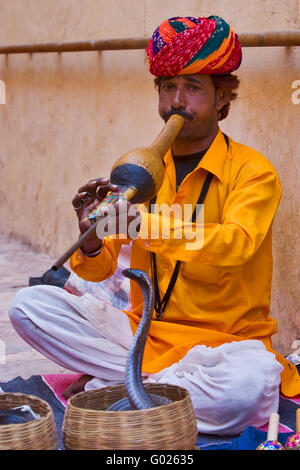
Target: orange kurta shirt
223, 290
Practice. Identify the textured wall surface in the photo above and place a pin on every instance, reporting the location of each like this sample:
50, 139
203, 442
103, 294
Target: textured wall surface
68, 116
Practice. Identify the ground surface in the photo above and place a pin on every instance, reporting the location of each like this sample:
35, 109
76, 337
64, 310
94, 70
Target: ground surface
17, 263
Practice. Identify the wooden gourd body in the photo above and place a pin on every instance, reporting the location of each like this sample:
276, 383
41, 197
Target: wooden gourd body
143, 168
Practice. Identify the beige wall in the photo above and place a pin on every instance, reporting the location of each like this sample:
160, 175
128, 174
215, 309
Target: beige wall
68, 116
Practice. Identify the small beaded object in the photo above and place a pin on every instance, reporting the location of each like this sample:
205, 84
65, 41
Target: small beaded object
271, 443
293, 441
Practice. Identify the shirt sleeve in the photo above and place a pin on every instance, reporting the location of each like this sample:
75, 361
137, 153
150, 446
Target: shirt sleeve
100, 267
247, 216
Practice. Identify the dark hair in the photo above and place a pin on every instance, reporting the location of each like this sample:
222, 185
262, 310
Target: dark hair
228, 81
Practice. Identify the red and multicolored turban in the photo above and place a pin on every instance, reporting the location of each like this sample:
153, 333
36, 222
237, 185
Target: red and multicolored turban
187, 45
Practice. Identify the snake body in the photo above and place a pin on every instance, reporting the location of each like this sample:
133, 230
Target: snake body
137, 398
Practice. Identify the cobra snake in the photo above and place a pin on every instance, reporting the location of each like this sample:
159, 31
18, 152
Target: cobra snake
137, 398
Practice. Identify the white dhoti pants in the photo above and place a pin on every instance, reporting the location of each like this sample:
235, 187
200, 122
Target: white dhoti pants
231, 386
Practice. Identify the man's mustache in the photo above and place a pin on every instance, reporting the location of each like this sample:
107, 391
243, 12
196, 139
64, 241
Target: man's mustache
182, 113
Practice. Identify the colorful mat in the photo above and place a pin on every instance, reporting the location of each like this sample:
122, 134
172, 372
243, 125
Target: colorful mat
50, 388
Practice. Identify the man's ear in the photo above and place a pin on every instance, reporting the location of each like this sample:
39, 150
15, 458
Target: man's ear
223, 97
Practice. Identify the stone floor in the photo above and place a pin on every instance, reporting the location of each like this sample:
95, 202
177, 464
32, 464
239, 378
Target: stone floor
17, 263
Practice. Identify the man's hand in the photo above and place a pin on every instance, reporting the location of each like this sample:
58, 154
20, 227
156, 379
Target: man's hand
87, 198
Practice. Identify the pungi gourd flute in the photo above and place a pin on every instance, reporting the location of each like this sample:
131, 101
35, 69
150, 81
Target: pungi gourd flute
139, 175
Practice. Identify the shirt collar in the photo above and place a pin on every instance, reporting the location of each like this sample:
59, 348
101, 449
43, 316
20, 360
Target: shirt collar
213, 160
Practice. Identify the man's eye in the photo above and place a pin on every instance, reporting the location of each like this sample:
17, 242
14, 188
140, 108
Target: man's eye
167, 86
194, 88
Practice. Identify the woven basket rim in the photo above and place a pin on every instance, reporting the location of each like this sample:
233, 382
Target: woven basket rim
171, 426
122, 386
19, 426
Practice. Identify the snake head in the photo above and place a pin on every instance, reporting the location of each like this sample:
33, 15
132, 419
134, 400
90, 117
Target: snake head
136, 274
141, 277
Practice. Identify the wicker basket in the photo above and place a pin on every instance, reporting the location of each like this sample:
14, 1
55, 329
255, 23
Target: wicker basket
87, 424
39, 434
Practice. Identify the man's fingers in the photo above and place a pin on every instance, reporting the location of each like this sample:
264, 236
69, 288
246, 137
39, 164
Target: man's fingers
91, 186
103, 190
83, 214
81, 200
99, 186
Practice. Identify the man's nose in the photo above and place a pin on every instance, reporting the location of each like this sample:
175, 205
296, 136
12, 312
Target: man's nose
178, 99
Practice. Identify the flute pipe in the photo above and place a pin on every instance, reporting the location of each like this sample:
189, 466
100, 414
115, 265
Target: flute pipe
127, 193
165, 138
263, 39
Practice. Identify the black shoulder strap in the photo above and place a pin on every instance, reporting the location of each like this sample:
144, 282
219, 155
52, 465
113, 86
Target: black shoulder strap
226, 140
203, 193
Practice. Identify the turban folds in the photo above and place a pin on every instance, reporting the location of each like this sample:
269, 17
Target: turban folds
187, 45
